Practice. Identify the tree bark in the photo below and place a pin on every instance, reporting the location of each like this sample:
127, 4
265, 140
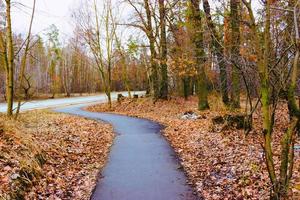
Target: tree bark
164, 51
197, 38
219, 52
263, 68
23, 62
10, 61
154, 66
235, 52
287, 142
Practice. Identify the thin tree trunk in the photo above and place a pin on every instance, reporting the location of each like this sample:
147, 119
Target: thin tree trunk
263, 68
109, 86
287, 142
24, 60
125, 76
265, 92
10, 61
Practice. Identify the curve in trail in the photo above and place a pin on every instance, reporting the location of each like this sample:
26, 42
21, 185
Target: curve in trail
141, 165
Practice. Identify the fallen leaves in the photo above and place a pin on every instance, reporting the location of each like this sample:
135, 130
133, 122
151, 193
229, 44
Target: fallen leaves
52, 156
221, 163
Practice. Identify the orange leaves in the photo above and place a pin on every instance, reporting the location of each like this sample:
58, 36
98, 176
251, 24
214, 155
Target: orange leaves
220, 163
183, 66
75, 148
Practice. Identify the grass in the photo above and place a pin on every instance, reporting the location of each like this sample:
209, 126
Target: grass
20, 154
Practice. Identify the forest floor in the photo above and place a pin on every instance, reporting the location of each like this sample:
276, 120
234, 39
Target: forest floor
221, 162
44, 155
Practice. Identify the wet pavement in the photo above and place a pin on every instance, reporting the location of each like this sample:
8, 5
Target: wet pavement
141, 165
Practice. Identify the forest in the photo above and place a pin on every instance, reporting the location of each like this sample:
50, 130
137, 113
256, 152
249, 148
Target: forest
220, 76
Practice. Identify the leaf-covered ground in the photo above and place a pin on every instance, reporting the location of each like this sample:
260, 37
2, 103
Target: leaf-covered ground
50, 156
221, 162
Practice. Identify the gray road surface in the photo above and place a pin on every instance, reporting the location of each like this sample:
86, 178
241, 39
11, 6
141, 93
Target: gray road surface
53, 103
141, 166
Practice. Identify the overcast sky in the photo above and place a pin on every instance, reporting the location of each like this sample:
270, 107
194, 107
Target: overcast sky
49, 12
56, 12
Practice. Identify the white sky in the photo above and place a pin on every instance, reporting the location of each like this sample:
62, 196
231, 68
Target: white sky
48, 12
56, 12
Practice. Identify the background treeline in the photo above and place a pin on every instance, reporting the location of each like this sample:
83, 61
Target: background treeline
53, 68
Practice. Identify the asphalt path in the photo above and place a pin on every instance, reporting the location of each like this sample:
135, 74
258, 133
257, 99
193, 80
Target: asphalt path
141, 165
61, 102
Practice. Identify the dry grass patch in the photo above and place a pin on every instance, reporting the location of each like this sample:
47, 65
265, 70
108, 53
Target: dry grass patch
45, 155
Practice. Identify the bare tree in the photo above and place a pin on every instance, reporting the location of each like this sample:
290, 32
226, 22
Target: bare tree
24, 60
269, 99
145, 23
101, 45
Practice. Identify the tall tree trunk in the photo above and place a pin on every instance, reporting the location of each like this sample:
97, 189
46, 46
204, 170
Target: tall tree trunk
154, 66
235, 51
287, 142
164, 52
10, 61
219, 52
265, 92
197, 38
263, 69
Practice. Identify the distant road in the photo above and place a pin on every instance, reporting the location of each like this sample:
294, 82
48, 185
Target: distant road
53, 103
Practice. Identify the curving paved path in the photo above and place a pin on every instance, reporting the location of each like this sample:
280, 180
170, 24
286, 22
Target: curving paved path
141, 166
